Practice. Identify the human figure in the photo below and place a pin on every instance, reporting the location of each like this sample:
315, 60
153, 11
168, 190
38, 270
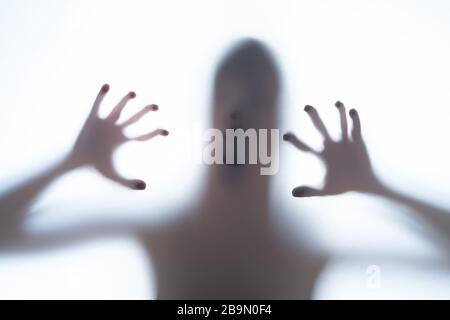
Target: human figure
225, 245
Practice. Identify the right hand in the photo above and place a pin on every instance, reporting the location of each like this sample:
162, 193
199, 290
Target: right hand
347, 161
99, 138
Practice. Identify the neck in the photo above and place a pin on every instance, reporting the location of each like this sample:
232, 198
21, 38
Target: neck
237, 195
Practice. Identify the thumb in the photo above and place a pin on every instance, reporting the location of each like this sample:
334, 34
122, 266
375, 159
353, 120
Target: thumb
304, 191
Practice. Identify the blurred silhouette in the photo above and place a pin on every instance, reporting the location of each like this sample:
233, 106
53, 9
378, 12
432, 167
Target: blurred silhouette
225, 246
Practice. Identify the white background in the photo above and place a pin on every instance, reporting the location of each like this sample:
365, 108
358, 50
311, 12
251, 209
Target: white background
389, 59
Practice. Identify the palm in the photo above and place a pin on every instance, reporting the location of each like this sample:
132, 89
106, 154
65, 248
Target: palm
99, 138
347, 162
347, 167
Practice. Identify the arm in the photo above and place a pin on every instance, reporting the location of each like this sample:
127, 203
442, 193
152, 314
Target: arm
348, 168
15, 204
437, 219
94, 147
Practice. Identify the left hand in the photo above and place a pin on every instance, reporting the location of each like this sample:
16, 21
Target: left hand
99, 138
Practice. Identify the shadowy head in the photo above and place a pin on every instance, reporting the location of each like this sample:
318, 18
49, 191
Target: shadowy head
246, 88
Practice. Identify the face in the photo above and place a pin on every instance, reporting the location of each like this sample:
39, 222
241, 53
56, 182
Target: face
246, 92
246, 89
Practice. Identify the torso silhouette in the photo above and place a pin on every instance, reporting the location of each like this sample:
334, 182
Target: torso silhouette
191, 264
227, 248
